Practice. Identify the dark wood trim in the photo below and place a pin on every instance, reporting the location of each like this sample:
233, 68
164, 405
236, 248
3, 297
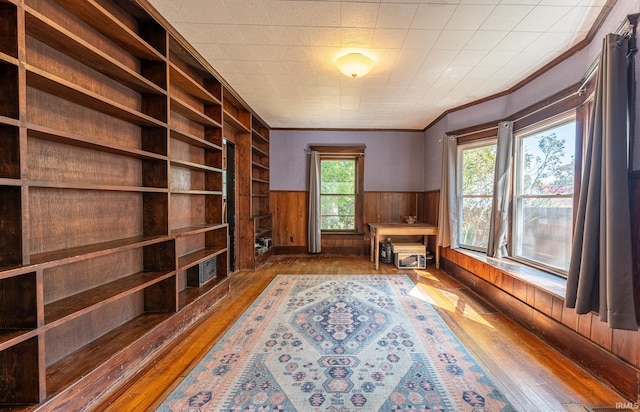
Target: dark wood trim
327, 150
602, 363
563, 101
483, 133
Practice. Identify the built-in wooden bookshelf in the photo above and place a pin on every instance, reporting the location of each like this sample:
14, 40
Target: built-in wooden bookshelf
110, 195
260, 213
251, 136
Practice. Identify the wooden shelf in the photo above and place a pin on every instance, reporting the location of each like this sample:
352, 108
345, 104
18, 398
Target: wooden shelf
96, 16
80, 363
195, 166
259, 136
9, 121
10, 182
63, 256
235, 123
256, 149
186, 83
49, 83
192, 230
77, 305
193, 140
259, 195
88, 186
192, 259
190, 295
45, 133
260, 217
253, 179
9, 59
191, 113
262, 232
260, 165
12, 337
196, 192
59, 38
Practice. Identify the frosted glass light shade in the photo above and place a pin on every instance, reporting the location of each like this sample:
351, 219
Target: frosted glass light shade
354, 64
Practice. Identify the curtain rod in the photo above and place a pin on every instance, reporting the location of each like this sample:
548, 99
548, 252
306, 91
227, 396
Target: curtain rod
626, 29
307, 151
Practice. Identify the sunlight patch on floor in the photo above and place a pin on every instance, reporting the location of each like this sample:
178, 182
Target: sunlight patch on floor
448, 301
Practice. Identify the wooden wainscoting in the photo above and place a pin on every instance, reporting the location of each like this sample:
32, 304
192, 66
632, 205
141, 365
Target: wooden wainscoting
290, 210
612, 355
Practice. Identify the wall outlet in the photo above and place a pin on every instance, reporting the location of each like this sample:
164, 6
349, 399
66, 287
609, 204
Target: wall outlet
291, 239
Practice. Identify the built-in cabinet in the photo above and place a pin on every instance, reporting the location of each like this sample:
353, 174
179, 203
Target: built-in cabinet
111, 207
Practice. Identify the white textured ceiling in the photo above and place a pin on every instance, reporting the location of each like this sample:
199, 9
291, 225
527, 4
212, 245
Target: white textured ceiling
431, 55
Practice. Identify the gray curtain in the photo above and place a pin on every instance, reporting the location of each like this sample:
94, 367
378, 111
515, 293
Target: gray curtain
497, 245
601, 268
314, 237
448, 207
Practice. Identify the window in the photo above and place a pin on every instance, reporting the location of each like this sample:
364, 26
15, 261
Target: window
338, 194
341, 188
543, 193
476, 163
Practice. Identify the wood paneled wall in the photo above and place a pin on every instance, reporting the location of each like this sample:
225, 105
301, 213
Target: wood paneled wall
290, 209
614, 355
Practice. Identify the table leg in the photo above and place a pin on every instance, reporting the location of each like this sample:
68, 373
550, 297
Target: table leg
437, 257
377, 251
371, 247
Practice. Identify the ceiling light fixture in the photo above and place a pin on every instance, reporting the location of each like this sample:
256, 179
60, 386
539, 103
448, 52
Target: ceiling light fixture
355, 64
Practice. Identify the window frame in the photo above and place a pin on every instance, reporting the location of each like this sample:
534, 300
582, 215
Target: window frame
350, 152
473, 144
518, 135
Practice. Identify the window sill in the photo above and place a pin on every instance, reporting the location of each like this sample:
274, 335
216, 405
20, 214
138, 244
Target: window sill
343, 235
548, 282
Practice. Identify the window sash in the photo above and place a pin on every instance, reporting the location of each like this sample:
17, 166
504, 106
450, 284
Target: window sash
545, 245
351, 220
467, 234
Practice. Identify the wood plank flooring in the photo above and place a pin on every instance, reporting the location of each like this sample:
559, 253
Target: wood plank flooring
532, 375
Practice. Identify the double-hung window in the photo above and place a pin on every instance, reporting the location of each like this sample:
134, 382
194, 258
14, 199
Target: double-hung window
543, 193
341, 188
476, 163
338, 194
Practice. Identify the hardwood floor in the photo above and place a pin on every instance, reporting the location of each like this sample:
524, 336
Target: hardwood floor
532, 375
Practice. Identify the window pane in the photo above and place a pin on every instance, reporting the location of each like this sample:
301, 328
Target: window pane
338, 199
338, 176
475, 174
548, 161
545, 231
338, 188
476, 214
477, 170
337, 205
337, 223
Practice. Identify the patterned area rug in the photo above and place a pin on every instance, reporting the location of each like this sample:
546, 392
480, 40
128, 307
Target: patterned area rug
338, 343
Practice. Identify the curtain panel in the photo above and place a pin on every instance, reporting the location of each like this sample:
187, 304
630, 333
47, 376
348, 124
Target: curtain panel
600, 275
314, 227
498, 226
448, 207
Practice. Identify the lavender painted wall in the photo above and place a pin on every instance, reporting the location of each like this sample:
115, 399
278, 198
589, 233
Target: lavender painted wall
563, 75
394, 161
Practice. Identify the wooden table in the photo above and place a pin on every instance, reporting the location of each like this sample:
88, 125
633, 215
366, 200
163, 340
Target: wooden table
382, 230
